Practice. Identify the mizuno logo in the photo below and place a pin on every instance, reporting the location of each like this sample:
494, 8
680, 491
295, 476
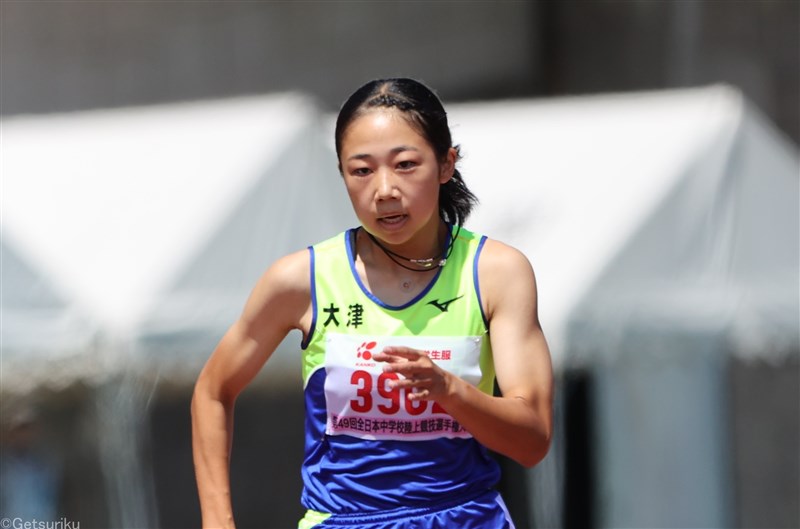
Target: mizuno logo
443, 306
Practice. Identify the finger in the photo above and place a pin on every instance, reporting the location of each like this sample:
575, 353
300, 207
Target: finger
388, 358
418, 395
412, 383
397, 354
407, 368
403, 352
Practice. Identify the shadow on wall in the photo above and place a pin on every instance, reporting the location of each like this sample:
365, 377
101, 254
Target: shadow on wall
265, 465
765, 407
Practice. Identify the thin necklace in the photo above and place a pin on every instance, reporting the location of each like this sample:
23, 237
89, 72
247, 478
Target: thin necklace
425, 263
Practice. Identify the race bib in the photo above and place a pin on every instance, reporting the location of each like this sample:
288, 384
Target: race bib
361, 403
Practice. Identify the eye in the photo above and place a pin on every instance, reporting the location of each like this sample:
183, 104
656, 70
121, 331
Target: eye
407, 165
360, 171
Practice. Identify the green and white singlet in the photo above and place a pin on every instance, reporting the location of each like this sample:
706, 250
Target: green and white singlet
367, 447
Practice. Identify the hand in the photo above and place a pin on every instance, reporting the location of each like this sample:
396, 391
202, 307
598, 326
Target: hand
424, 380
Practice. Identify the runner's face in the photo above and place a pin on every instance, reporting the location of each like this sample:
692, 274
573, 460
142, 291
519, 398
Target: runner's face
392, 176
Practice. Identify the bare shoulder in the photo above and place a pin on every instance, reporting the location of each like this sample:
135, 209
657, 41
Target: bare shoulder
291, 273
283, 293
498, 257
279, 302
506, 277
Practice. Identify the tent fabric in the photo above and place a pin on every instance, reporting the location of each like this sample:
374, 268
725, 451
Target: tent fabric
720, 253
40, 328
110, 203
154, 222
42, 322
682, 204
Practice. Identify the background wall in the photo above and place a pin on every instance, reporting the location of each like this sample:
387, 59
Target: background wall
68, 55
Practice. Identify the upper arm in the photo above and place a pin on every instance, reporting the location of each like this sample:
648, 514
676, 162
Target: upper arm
280, 302
521, 356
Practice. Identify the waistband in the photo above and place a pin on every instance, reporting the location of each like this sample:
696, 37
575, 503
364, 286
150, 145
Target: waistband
400, 513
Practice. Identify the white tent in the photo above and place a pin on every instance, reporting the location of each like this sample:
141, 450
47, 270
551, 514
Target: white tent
145, 229
663, 228
689, 195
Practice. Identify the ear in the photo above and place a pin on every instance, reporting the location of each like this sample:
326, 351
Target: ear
448, 166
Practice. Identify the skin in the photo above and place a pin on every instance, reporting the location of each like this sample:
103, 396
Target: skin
392, 177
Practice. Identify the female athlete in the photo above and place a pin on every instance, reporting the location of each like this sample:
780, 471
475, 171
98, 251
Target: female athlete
407, 321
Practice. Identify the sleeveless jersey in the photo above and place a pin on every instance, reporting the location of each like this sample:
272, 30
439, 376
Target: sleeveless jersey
367, 447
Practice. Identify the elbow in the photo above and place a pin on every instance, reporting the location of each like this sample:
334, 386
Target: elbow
206, 396
535, 451
532, 458
195, 405
199, 395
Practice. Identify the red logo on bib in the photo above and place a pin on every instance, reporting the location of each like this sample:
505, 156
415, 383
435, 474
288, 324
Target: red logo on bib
365, 352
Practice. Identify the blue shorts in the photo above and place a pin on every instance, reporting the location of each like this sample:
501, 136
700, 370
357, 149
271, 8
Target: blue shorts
484, 511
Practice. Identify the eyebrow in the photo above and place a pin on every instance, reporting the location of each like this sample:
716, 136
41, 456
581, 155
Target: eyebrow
396, 150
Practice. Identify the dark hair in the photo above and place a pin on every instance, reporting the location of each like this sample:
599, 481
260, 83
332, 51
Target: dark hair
425, 113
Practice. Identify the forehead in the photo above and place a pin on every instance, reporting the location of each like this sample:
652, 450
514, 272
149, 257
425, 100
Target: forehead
380, 126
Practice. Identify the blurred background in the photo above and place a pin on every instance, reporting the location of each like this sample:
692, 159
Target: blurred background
157, 156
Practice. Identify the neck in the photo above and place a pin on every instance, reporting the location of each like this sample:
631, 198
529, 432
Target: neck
420, 256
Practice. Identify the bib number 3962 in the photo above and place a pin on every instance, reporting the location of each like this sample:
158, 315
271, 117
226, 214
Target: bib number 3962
391, 397
361, 401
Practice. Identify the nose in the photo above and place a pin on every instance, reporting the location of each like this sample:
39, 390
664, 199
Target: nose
386, 188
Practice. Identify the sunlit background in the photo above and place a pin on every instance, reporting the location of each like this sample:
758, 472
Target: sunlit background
158, 156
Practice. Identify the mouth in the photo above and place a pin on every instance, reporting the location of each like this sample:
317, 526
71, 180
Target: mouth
392, 221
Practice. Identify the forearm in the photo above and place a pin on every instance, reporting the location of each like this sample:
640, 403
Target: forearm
212, 429
280, 302
508, 425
